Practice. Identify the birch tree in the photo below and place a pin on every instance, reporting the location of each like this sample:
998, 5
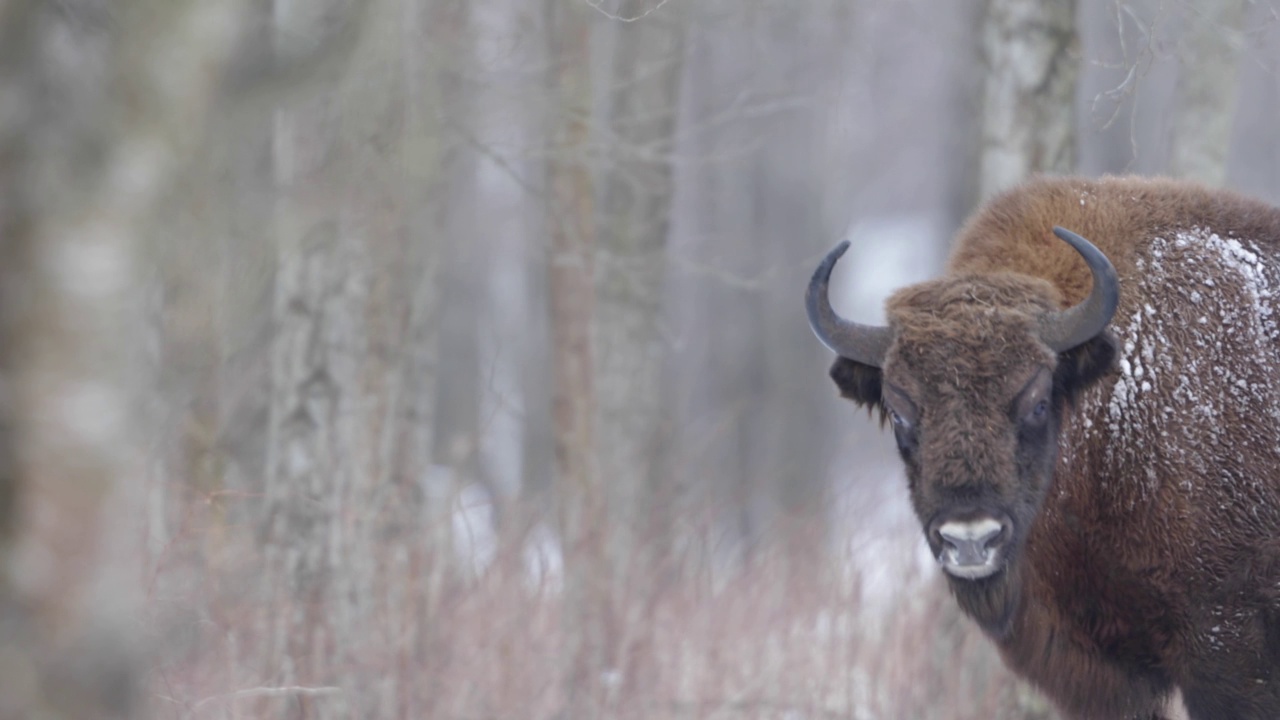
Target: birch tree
337, 369
1031, 53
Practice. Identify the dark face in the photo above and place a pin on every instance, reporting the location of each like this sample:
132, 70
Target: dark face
975, 401
977, 467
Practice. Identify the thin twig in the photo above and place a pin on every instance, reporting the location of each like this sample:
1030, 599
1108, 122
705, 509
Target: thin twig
284, 691
596, 5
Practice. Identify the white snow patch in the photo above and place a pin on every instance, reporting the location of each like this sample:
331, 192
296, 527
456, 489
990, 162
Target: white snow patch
474, 537
1227, 331
543, 560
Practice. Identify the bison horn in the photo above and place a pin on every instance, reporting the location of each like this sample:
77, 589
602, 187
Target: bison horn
1069, 328
863, 343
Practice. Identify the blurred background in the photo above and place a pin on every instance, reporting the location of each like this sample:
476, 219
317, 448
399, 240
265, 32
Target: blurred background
446, 358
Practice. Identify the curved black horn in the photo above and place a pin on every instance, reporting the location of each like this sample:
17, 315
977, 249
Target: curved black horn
1068, 328
864, 343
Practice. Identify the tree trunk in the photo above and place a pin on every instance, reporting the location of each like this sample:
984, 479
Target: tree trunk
88, 146
630, 332
1207, 88
963, 146
1031, 53
421, 522
341, 292
509, 235
587, 626
456, 435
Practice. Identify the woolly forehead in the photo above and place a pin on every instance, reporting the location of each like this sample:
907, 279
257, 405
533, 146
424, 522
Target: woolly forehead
968, 334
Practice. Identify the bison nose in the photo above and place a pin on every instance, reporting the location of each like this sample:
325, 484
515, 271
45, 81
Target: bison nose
970, 548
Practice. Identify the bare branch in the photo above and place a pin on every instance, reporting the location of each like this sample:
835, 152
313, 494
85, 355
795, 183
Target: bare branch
596, 5
263, 692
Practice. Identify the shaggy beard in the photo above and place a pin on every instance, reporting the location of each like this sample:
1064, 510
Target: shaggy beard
992, 601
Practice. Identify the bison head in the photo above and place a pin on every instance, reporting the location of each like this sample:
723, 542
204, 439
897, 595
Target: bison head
975, 373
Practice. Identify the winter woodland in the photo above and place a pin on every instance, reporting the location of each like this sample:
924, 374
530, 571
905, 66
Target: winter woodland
446, 358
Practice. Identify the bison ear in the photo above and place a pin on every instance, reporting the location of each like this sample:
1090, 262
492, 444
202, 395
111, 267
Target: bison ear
857, 382
1083, 365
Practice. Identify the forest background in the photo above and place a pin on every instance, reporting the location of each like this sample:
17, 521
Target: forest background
446, 358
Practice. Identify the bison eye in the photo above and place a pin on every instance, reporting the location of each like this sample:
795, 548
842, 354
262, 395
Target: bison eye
904, 433
1039, 412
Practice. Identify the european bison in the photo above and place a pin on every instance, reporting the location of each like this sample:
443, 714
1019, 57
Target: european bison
1091, 434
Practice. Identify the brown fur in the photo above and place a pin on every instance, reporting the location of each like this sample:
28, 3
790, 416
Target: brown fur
1146, 552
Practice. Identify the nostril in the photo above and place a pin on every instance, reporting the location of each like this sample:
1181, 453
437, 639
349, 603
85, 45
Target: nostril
999, 538
970, 545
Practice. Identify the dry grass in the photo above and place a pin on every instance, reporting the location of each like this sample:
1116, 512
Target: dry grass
767, 642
